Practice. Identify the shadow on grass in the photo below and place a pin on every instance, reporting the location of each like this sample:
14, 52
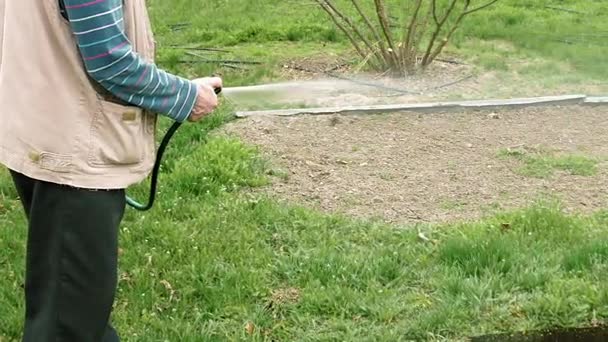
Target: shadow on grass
598, 334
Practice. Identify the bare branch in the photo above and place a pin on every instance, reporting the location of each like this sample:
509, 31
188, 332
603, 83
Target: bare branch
429, 50
445, 40
386, 27
373, 30
450, 9
367, 20
481, 7
412, 25
421, 29
434, 7
354, 27
348, 34
427, 28
407, 50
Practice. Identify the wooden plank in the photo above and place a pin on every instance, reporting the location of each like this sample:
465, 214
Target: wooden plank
422, 107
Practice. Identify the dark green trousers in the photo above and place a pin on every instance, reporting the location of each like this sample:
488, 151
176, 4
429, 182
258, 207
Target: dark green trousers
71, 262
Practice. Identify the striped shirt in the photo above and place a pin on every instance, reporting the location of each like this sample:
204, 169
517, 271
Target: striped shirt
110, 60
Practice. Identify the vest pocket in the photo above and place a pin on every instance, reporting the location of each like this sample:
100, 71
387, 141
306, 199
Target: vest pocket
117, 135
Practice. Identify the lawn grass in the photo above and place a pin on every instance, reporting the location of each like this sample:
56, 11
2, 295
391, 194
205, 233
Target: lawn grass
543, 164
215, 262
210, 259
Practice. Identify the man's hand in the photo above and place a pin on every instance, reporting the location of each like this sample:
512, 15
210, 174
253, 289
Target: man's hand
206, 101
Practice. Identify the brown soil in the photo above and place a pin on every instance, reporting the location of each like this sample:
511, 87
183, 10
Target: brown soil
409, 167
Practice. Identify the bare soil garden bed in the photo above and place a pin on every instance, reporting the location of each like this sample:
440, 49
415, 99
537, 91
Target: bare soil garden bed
433, 167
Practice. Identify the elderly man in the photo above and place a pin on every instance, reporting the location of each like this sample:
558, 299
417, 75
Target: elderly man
79, 92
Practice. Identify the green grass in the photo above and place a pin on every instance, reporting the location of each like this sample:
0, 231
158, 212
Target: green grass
450, 204
586, 256
209, 259
543, 164
531, 48
213, 257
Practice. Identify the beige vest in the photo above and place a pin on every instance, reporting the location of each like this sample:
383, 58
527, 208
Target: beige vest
54, 125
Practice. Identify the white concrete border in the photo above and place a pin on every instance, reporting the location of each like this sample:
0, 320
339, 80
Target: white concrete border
596, 100
436, 106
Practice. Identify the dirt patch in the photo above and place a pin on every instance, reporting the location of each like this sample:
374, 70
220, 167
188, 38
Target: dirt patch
283, 296
312, 67
410, 167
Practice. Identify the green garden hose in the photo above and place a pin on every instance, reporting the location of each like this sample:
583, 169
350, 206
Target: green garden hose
155, 171
154, 181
